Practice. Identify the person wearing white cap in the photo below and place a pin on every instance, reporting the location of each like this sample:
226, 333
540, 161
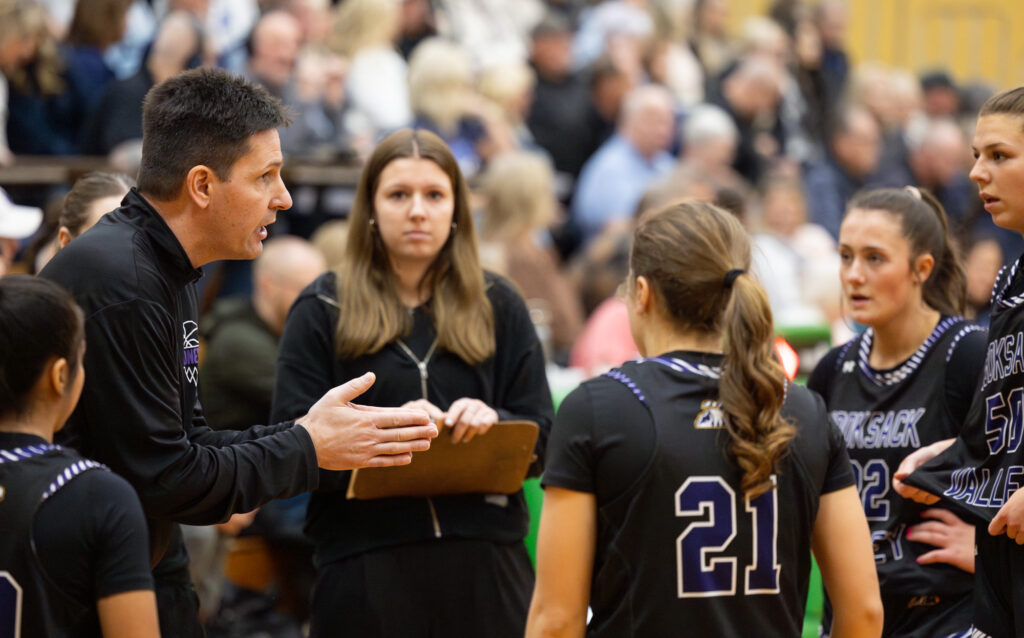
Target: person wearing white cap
16, 223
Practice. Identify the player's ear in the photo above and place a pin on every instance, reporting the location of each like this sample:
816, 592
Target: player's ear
923, 266
642, 294
58, 373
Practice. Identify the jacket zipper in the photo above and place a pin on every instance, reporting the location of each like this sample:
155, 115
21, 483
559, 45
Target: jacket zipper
422, 365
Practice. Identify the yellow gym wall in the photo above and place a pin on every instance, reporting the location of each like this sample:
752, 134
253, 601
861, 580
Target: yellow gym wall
972, 39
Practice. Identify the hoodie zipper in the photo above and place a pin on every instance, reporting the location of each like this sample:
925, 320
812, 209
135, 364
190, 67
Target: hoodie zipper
422, 365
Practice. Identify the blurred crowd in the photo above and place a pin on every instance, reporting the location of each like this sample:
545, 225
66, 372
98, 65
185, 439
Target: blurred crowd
570, 117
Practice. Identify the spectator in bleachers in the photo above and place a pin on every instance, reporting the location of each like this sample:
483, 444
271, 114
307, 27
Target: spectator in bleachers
710, 40
708, 139
560, 96
669, 60
854, 147
445, 101
940, 96
830, 18
376, 86
489, 31
95, 27
983, 259
937, 155
275, 42
36, 99
618, 29
796, 262
118, 117
417, 24
750, 94
519, 189
510, 87
615, 178
17, 46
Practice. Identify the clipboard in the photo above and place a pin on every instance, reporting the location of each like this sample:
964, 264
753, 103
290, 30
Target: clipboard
495, 463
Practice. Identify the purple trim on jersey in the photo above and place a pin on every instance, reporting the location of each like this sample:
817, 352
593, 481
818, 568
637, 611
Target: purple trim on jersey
966, 330
842, 352
22, 453
892, 377
997, 290
1014, 301
626, 381
680, 365
69, 473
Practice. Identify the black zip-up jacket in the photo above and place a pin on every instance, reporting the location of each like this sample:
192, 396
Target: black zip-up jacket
139, 413
512, 381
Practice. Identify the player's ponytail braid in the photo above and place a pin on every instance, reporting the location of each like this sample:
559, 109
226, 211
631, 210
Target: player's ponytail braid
753, 386
696, 256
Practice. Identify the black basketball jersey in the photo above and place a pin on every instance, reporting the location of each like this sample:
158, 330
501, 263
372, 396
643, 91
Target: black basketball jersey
30, 604
985, 466
885, 415
680, 549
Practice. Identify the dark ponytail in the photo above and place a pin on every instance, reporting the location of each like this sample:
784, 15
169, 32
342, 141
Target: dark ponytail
696, 256
38, 321
924, 224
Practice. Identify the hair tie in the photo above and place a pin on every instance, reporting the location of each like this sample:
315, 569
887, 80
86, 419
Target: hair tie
732, 275
915, 191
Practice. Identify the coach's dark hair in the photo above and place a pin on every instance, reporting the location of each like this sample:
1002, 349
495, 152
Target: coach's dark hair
923, 223
39, 320
685, 251
200, 117
1009, 102
87, 189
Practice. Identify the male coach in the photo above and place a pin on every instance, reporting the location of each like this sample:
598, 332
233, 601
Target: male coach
208, 187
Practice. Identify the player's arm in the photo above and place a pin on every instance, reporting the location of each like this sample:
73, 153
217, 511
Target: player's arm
565, 559
130, 614
911, 463
841, 542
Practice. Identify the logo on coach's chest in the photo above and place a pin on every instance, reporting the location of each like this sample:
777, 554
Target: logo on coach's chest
190, 356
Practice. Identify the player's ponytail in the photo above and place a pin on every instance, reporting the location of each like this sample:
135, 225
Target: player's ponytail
696, 256
753, 386
923, 223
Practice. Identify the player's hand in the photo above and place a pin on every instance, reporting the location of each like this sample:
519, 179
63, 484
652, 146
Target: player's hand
435, 413
1009, 519
953, 537
469, 418
347, 436
911, 463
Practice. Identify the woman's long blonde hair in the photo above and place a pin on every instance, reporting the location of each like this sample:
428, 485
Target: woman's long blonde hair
371, 314
685, 251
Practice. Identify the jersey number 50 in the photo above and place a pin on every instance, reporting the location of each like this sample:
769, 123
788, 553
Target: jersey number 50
703, 567
10, 606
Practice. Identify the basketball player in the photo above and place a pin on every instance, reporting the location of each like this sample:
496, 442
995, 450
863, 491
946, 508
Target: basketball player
906, 382
981, 472
685, 491
73, 555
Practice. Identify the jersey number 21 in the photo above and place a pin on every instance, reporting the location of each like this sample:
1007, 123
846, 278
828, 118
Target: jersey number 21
704, 566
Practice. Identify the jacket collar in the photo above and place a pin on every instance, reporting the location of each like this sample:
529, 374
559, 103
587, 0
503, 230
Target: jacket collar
142, 215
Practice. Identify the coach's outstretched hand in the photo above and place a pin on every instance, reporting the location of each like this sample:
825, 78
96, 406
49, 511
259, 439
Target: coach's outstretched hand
348, 436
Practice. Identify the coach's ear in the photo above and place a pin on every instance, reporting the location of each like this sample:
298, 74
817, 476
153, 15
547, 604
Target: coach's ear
198, 183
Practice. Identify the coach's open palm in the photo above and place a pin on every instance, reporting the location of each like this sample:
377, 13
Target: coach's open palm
348, 436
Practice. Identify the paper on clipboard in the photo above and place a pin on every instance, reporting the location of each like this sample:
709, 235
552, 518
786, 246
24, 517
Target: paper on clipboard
495, 463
